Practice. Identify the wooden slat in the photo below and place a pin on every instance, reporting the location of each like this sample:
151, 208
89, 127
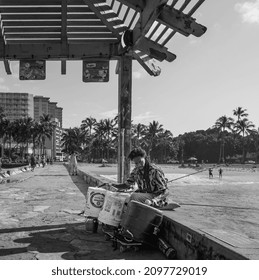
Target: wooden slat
55, 29
161, 34
119, 9
30, 41
96, 22
82, 16
32, 16
154, 30
31, 29
184, 5
38, 2
31, 23
126, 14
195, 7
103, 17
174, 3
92, 40
168, 38
32, 35
46, 16
87, 29
82, 9
90, 35
132, 19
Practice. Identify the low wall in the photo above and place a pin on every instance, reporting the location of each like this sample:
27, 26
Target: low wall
189, 243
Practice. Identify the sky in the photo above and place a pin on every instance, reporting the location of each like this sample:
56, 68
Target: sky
211, 76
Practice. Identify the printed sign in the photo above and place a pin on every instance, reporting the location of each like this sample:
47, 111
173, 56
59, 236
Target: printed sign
97, 71
32, 70
97, 199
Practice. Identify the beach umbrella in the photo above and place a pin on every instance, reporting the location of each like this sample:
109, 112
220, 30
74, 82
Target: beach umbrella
192, 159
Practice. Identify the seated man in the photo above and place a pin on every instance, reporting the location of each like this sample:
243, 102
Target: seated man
149, 178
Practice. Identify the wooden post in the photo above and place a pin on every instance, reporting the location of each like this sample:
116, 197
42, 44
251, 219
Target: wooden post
124, 117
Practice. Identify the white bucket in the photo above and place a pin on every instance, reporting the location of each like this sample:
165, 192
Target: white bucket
94, 201
112, 208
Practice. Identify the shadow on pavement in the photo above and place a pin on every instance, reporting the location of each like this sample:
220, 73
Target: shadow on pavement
20, 229
79, 182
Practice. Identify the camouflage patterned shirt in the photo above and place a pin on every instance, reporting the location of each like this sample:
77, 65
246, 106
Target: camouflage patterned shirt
153, 181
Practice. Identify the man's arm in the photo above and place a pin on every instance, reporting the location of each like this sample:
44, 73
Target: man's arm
122, 186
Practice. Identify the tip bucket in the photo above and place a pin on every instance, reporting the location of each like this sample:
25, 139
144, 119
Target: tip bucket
94, 201
111, 211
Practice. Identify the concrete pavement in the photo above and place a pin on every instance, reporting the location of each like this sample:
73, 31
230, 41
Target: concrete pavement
40, 219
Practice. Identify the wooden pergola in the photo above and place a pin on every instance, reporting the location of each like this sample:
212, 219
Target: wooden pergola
98, 30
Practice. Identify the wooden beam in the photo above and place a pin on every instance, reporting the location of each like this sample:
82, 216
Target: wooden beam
180, 22
137, 5
150, 14
64, 42
148, 64
124, 117
154, 50
63, 67
78, 50
7, 67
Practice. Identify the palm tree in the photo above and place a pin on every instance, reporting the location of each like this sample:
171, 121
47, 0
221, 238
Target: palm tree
255, 139
22, 133
223, 124
240, 112
71, 140
45, 129
138, 131
154, 129
88, 124
244, 127
165, 142
108, 128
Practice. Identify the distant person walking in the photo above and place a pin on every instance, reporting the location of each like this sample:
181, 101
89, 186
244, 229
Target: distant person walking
220, 173
210, 173
43, 160
0, 164
73, 164
32, 162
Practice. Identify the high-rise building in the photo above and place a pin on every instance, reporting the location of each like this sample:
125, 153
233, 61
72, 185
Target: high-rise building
42, 105
17, 105
59, 115
53, 145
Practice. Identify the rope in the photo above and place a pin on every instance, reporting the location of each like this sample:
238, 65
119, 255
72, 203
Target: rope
205, 169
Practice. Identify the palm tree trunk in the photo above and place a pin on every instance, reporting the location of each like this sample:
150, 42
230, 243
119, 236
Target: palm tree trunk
220, 151
243, 157
223, 151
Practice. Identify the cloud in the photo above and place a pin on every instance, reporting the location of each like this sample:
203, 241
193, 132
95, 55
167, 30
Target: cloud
3, 87
137, 75
109, 114
145, 118
249, 11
